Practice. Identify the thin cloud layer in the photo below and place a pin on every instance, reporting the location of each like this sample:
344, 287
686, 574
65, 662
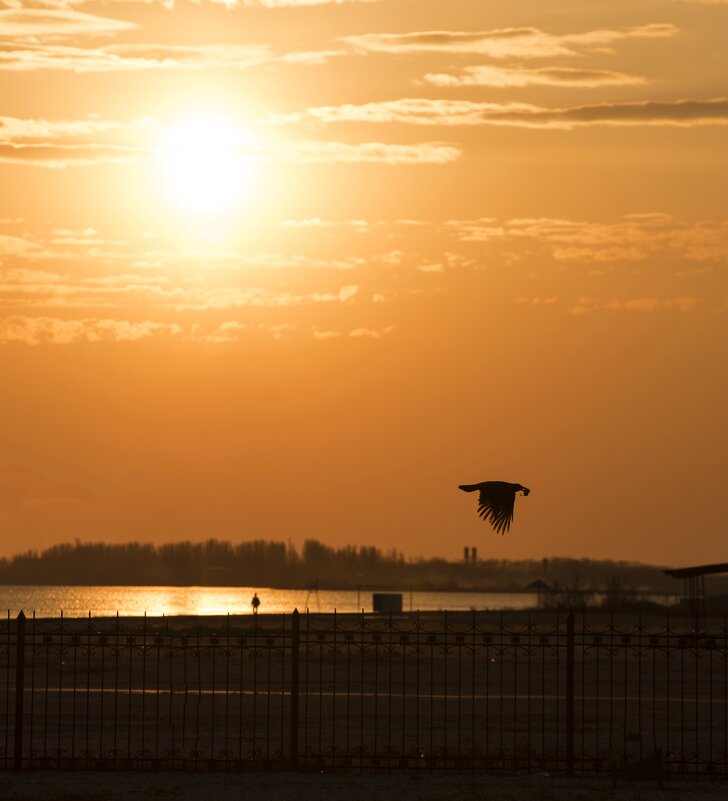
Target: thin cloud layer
632, 238
169, 4
524, 43
544, 76
426, 111
135, 57
65, 143
59, 156
15, 128
292, 3
28, 330
409, 110
31, 22
367, 152
589, 305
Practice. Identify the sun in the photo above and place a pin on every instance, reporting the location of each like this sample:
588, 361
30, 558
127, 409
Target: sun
207, 165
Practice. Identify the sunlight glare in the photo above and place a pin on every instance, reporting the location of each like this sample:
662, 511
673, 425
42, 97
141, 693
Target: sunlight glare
205, 166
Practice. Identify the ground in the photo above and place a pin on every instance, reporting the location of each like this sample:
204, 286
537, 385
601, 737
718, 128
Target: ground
75, 786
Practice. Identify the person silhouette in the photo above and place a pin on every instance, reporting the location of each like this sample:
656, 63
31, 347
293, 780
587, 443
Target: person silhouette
255, 603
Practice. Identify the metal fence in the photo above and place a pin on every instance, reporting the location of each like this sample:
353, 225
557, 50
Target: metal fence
482, 692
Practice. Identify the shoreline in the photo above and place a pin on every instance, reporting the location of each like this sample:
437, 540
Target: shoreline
363, 588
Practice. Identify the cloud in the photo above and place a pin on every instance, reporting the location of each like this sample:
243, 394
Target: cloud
292, 3
39, 288
225, 332
31, 22
15, 245
632, 238
411, 111
21, 141
587, 305
56, 331
347, 293
360, 226
505, 42
366, 152
536, 301
427, 111
233, 297
27, 57
371, 333
681, 113
59, 155
60, 143
64, 4
14, 128
544, 76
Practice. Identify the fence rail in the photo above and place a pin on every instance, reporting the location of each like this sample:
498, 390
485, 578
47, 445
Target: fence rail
481, 692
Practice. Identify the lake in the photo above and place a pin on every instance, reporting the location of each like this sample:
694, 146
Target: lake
78, 601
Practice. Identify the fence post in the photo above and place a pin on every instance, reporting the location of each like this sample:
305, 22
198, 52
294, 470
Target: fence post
19, 689
570, 694
295, 643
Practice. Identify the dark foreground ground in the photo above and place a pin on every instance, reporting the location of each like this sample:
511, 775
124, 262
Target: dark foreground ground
74, 786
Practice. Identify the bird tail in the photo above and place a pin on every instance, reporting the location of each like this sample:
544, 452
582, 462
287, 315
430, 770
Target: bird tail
468, 487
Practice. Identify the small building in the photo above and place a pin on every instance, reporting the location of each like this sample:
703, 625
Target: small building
694, 583
386, 603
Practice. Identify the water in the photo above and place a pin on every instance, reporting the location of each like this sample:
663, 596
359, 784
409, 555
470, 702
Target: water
76, 601
157, 601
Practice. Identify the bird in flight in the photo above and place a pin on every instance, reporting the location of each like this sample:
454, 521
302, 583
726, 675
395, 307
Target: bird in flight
496, 501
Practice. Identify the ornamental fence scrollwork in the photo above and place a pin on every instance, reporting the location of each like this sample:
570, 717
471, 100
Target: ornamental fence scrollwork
509, 693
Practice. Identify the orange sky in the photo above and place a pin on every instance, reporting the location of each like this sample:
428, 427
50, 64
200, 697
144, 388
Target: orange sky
295, 269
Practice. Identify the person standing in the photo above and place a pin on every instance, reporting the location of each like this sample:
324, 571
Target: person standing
255, 603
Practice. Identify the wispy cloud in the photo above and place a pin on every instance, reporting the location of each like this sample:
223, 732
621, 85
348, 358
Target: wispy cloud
443, 112
56, 331
29, 56
588, 305
14, 128
291, 3
523, 43
67, 143
521, 76
60, 143
366, 152
311, 152
631, 238
408, 110
371, 333
35, 331
18, 23
679, 113
66, 4
15, 245
28, 287
232, 297
61, 155
361, 226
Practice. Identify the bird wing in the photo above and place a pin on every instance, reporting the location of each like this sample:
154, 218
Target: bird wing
495, 505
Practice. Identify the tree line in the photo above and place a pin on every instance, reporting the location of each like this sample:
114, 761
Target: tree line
278, 564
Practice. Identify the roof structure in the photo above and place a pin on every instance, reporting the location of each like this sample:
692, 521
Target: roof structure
700, 570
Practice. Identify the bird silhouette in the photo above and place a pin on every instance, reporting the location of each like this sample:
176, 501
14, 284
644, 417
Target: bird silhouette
496, 501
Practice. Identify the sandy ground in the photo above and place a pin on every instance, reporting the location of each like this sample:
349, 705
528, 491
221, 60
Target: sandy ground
313, 787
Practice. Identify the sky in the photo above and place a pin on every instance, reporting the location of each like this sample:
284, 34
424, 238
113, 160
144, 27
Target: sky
296, 269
